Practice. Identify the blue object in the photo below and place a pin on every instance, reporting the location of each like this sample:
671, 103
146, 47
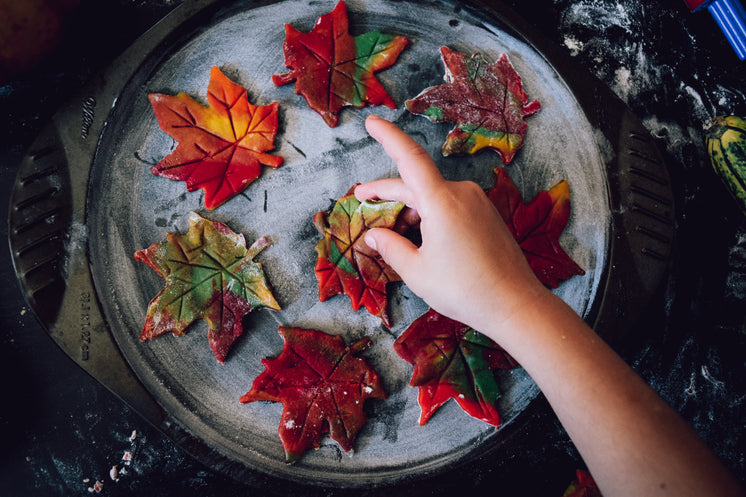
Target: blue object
731, 17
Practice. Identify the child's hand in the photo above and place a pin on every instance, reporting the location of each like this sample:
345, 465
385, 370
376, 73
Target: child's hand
468, 267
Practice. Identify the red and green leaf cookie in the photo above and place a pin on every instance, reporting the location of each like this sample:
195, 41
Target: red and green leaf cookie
333, 69
210, 275
486, 101
345, 263
322, 385
451, 360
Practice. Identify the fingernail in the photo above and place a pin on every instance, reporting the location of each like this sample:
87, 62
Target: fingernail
370, 241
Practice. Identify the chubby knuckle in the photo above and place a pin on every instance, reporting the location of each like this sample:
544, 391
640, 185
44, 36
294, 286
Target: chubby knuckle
470, 187
459, 193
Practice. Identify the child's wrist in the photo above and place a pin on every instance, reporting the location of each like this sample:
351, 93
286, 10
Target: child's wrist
535, 311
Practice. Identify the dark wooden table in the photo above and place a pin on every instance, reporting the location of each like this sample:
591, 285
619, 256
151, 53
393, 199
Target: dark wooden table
62, 431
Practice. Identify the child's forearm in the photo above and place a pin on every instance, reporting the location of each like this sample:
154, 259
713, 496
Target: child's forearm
633, 442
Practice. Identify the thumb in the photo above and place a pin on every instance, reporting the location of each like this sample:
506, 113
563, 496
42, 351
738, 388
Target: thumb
397, 251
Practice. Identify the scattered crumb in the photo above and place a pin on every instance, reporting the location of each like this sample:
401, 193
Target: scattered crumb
97, 487
117, 471
574, 45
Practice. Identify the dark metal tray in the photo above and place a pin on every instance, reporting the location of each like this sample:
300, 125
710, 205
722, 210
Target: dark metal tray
84, 201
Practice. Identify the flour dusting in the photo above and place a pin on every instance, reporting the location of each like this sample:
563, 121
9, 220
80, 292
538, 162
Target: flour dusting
622, 64
608, 35
736, 280
574, 45
603, 16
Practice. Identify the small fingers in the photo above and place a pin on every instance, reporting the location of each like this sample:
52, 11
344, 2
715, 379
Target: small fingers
385, 189
398, 252
416, 167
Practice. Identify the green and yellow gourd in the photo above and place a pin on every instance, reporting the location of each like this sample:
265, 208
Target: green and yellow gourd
726, 146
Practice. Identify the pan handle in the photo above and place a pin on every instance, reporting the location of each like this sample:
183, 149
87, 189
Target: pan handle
46, 231
47, 222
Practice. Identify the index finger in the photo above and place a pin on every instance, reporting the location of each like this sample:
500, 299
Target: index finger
415, 165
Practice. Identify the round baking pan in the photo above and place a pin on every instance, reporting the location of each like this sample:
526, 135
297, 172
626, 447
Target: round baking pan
85, 201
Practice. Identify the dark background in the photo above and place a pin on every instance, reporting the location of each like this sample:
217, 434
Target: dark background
61, 430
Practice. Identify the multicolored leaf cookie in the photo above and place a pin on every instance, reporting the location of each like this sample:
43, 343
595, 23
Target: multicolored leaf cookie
345, 263
487, 103
452, 360
322, 386
220, 146
210, 275
333, 69
537, 227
